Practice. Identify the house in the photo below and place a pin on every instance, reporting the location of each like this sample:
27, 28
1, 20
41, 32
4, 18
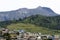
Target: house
13, 35
56, 37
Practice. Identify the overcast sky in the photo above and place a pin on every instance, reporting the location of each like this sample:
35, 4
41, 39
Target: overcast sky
8, 5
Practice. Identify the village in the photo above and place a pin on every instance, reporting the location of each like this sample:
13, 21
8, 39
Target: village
6, 34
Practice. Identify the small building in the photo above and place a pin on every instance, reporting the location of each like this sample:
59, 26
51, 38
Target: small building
44, 37
49, 37
1, 38
56, 37
13, 35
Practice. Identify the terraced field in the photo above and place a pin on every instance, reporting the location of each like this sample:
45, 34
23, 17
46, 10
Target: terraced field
31, 28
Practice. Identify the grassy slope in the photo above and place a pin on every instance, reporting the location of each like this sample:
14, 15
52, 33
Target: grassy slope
30, 28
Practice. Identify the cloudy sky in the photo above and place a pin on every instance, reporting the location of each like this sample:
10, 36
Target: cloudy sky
8, 5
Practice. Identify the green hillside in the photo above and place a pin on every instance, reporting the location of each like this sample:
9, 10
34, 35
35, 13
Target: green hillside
35, 23
31, 28
43, 21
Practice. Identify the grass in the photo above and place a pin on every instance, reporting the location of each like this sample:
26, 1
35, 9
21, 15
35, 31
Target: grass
31, 28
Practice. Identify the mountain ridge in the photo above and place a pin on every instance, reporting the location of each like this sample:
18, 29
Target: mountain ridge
25, 12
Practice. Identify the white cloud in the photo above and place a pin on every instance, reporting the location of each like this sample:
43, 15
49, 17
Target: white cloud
7, 5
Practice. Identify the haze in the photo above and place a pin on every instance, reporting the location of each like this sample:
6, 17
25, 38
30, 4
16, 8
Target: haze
8, 5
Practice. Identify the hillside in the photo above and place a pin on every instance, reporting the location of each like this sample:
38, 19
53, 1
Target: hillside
35, 23
31, 28
47, 22
38, 20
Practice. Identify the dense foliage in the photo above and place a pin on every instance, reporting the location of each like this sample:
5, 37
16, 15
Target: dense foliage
48, 22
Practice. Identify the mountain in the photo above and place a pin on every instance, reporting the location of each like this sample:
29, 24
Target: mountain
40, 16
24, 12
43, 11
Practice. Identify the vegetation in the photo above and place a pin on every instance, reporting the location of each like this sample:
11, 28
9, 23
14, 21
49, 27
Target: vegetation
35, 23
43, 21
31, 28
